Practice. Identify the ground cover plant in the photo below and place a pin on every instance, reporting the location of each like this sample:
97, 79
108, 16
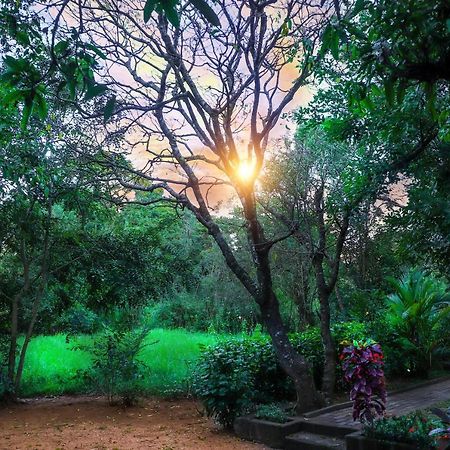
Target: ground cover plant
414, 429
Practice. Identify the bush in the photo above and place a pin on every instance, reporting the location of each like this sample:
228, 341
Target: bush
224, 381
412, 428
234, 375
78, 320
419, 310
271, 412
115, 370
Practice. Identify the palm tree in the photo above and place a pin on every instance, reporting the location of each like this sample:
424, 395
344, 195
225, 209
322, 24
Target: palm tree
418, 310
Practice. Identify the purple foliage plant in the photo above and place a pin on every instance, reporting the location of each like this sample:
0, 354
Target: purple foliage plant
362, 364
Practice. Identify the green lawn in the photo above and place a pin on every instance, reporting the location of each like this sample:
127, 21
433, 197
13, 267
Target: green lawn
52, 363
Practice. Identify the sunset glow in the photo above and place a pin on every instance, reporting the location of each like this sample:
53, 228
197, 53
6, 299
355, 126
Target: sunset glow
246, 170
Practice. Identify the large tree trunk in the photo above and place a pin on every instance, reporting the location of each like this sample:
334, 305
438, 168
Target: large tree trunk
301, 298
329, 347
295, 365
13, 339
23, 351
324, 290
14, 326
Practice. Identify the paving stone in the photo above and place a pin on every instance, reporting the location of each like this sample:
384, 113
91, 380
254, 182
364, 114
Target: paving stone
397, 404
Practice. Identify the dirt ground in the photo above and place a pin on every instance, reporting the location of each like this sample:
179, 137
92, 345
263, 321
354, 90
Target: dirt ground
89, 423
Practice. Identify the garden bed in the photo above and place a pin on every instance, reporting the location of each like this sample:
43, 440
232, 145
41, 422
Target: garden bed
356, 441
269, 433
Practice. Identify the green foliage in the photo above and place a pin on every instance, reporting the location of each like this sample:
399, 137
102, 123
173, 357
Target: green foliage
413, 428
38, 66
5, 387
223, 381
52, 367
200, 311
236, 374
78, 320
271, 412
423, 225
393, 47
419, 310
38, 70
115, 370
169, 9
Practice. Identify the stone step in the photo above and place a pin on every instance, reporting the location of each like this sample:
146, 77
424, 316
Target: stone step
311, 441
326, 428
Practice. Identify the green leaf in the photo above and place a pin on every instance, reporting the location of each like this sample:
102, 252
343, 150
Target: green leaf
41, 106
149, 8
207, 12
27, 110
10, 77
448, 25
109, 108
16, 65
401, 91
376, 90
171, 14
23, 38
95, 89
359, 6
334, 44
96, 50
389, 91
61, 47
14, 96
71, 85
326, 39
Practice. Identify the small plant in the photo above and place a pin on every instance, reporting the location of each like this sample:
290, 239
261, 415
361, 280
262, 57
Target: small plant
362, 364
115, 370
271, 412
413, 428
442, 432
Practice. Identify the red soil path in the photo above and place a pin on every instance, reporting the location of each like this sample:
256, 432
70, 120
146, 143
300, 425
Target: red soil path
89, 423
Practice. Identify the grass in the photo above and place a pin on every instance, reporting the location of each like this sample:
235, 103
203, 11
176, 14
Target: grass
51, 365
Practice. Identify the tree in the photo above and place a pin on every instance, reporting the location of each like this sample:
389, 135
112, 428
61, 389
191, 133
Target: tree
163, 98
345, 159
396, 47
67, 63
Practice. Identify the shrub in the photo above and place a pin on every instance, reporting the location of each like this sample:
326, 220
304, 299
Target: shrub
78, 320
362, 364
233, 375
223, 381
419, 308
413, 429
271, 412
115, 370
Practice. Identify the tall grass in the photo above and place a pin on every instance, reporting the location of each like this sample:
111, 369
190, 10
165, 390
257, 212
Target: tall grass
52, 364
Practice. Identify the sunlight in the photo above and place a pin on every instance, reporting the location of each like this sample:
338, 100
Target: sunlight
246, 170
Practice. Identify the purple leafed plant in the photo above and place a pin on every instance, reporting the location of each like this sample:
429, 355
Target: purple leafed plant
362, 364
